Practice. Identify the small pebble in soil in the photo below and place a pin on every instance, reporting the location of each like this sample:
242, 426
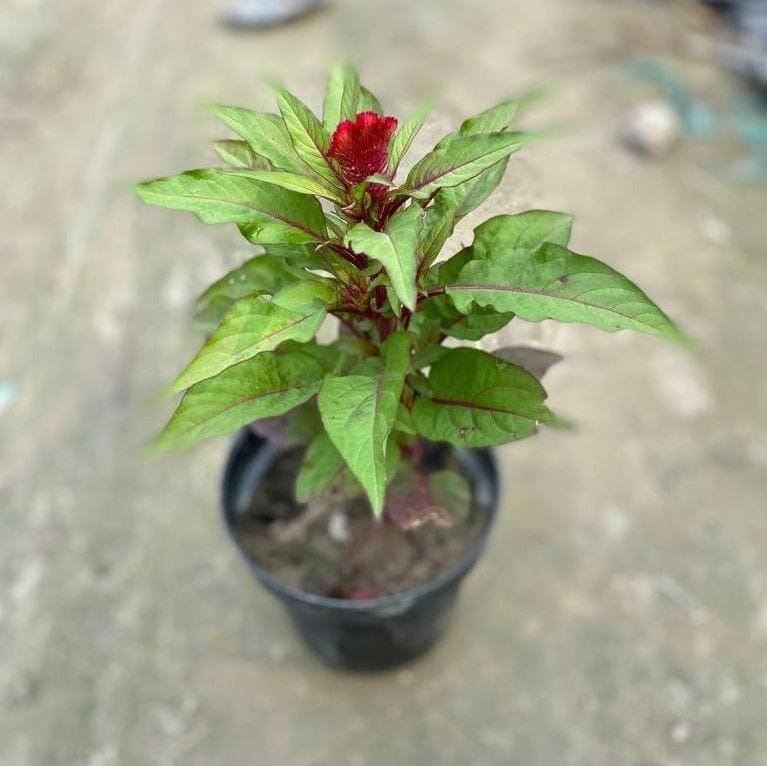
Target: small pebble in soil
338, 527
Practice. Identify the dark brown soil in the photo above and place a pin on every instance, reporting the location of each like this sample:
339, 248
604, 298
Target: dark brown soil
375, 559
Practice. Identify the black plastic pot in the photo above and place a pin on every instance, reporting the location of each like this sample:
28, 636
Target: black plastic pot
360, 635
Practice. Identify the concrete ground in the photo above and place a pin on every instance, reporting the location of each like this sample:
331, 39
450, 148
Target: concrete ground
620, 614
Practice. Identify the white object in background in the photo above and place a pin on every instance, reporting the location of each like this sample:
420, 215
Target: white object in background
256, 14
9, 390
652, 129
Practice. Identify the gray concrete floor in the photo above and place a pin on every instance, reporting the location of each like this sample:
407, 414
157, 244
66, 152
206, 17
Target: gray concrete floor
620, 614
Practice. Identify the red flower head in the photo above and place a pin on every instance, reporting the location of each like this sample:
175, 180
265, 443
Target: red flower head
361, 147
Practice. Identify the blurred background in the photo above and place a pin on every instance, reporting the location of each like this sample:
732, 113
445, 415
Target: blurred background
620, 614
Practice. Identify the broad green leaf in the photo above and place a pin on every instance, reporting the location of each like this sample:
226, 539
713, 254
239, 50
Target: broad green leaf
368, 102
267, 273
555, 283
477, 400
257, 324
501, 116
238, 154
377, 178
438, 224
266, 134
445, 272
260, 275
497, 119
472, 193
324, 472
270, 214
440, 309
341, 97
310, 139
473, 326
494, 120
267, 385
395, 248
403, 138
403, 422
358, 412
300, 184
328, 356
528, 230
462, 159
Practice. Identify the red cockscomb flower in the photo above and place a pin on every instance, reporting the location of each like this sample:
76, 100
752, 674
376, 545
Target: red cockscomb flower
361, 147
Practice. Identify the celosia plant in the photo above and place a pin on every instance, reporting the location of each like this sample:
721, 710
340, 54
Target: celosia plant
344, 237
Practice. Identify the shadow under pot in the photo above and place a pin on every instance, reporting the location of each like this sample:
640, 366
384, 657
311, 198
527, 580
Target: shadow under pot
361, 630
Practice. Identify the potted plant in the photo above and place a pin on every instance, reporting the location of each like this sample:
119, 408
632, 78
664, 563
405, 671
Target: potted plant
360, 486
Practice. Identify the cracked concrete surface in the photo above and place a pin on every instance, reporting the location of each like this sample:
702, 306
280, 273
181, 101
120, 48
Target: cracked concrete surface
620, 613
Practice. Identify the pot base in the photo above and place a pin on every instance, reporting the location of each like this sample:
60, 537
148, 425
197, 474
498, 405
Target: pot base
375, 634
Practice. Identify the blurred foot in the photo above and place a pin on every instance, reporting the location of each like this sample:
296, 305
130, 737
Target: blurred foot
257, 14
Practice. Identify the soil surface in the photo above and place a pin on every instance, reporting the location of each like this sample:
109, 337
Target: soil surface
345, 553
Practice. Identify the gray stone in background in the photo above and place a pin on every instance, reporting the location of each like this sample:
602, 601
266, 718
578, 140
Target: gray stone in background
620, 615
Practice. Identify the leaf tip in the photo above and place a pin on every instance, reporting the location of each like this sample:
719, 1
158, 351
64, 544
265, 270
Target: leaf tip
140, 189
155, 448
555, 421
686, 341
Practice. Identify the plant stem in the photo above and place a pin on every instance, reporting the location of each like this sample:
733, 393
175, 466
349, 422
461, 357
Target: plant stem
431, 294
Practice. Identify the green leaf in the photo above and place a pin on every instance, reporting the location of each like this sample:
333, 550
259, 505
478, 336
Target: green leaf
268, 385
439, 221
473, 326
376, 178
494, 120
341, 97
257, 324
266, 134
403, 422
555, 283
403, 138
358, 412
445, 272
310, 139
462, 159
472, 193
441, 310
499, 117
395, 248
269, 214
324, 472
368, 102
528, 230
238, 154
300, 184
261, 274
477, 400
